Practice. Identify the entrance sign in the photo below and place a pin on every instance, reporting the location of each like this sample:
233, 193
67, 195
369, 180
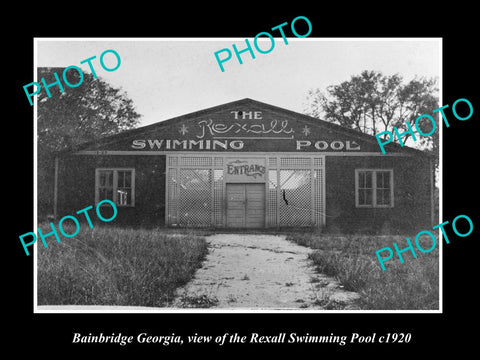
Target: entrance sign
245, 170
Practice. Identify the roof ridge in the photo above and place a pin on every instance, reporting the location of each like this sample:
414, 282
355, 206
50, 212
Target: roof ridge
213, 109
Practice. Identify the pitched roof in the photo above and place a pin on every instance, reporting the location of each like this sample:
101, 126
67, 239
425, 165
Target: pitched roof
249, 103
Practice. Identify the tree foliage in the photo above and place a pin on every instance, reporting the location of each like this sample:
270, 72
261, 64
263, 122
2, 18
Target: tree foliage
372, 103
90, 111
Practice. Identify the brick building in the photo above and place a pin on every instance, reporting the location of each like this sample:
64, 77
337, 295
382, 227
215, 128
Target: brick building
253, 165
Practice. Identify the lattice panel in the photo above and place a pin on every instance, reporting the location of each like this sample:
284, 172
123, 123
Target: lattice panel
318, 162
196, 160
195, 197
218, 202
295, 162
172, 160
172, 197
272, 198
318, 196
272, 162
296, 198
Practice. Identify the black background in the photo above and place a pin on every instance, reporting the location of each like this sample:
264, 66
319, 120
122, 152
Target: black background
51, 334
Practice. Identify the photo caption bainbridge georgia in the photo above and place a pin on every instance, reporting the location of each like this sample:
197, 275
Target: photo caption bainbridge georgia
236, 338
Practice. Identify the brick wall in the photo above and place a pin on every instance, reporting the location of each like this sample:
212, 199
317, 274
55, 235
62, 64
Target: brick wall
76, 186
411, 211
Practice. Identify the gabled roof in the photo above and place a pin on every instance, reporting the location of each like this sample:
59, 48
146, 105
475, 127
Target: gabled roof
319, 125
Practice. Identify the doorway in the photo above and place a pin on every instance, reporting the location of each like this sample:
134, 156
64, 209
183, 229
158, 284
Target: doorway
246, 205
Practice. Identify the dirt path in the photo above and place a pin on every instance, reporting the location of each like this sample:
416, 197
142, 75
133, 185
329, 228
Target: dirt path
260, 272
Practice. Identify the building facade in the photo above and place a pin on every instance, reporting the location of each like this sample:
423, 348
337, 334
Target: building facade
247, 164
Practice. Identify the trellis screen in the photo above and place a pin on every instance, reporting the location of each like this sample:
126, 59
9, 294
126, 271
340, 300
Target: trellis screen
194, 203
294, 191
296, 202
195, 191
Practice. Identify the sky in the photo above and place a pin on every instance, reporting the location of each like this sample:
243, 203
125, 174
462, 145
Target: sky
166, 78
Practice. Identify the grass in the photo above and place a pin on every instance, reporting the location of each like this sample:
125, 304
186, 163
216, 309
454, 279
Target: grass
326, 302
114, 266
351, 259
118, 266
197, 301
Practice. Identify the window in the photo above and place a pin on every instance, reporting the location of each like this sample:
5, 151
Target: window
373, 188
117, 185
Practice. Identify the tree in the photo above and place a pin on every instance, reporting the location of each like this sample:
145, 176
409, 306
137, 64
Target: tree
372, 103
90, 111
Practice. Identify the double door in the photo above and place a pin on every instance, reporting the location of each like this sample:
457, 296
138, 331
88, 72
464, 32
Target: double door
246, 205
